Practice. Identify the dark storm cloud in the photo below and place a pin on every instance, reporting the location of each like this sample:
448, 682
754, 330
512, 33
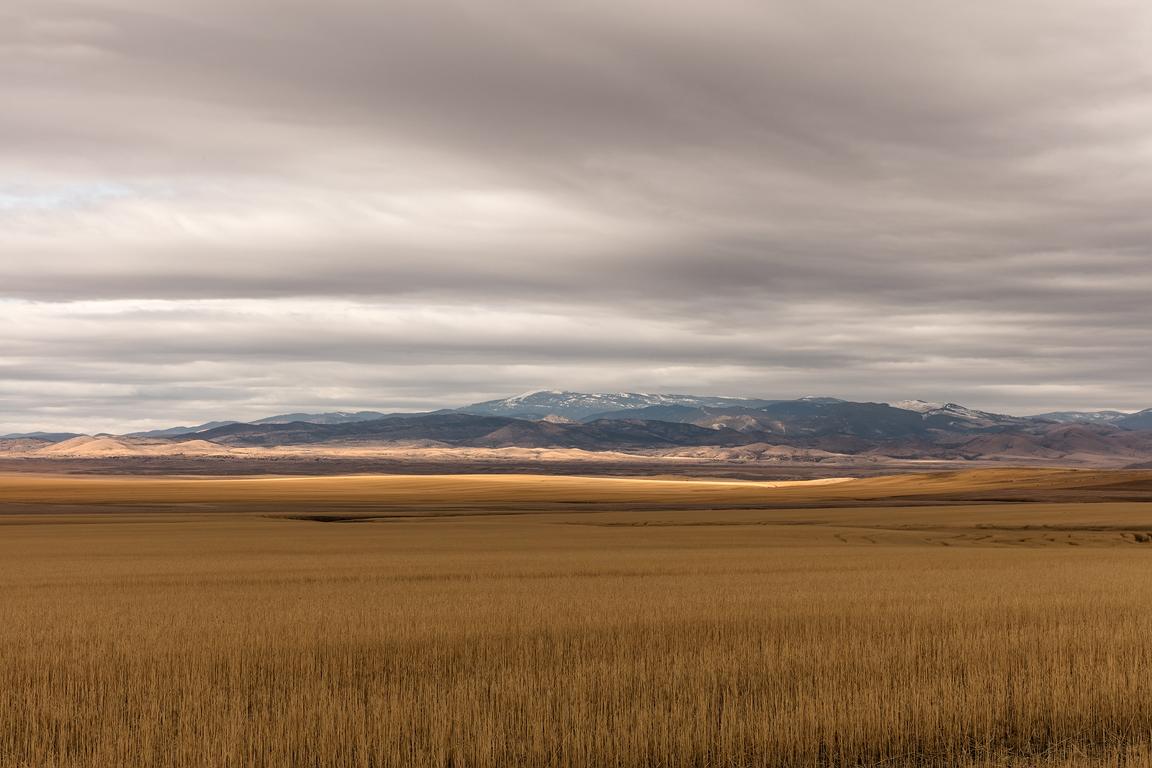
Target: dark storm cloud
435, 202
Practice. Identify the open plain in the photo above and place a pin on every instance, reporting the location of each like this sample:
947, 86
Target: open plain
997, 617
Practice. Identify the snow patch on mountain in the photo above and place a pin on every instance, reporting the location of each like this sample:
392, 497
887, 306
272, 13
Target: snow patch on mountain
1091, 417
954, 412
576, 405
919, 406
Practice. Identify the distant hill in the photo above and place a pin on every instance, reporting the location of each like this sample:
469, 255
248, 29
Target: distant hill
942, 415
463, 429
107, 446
336, 417
178, 431
1061, 441
710, 411
738, 428
51, 437
1135, 421
819, 416
21, 445
818, 426
1092, 417
1140, 420
580, 405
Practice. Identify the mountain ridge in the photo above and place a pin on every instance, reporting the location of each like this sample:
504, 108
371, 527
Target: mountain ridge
579, 405
582, 406
638, 422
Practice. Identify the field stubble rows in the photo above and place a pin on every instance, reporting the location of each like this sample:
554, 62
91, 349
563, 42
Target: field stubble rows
237, 639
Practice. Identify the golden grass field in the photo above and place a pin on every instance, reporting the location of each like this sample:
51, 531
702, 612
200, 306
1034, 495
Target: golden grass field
999, 618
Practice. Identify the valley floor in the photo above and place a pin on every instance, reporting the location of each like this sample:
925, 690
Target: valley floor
994, 618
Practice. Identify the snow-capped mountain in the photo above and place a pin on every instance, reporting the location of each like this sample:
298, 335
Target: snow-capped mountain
577, 405
1091, 417
811, 418
920, 406
956, 413
907, 429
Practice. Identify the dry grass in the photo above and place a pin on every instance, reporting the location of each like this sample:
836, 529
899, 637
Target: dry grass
837, 637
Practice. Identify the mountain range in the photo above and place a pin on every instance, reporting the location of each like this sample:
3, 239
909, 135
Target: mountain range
718, 427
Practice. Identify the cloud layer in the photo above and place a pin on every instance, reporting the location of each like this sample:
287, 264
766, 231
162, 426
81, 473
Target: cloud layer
229, 209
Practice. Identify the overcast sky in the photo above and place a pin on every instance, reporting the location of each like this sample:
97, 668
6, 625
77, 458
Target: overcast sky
234, 208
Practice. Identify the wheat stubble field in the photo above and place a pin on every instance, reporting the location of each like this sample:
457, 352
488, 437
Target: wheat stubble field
988, 618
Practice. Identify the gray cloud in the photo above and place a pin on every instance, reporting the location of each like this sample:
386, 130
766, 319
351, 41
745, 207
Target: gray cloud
231, 208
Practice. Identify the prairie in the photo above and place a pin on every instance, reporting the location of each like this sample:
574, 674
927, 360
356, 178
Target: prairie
992, 618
